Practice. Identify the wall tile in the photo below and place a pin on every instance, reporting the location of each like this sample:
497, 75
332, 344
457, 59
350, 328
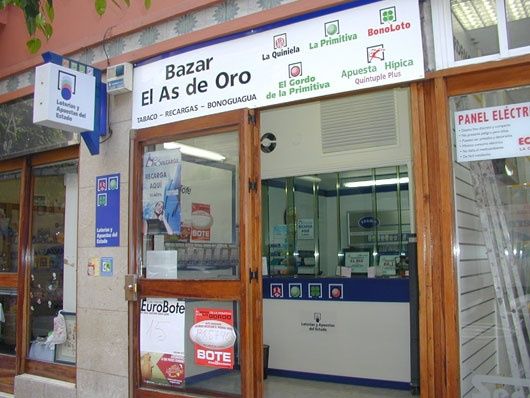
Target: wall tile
113, 157
102, 341
102, 292
101, 385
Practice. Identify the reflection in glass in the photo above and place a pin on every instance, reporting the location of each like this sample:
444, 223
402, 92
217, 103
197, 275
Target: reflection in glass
314, 224
190, 345
52, 285
475, 31
9, 214
190, 208
518, 23
492, 218
8, 320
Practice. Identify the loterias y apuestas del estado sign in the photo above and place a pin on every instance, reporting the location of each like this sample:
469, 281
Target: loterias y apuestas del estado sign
348, 48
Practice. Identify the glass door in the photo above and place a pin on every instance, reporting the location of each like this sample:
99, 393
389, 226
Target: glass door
9, 293
196, 328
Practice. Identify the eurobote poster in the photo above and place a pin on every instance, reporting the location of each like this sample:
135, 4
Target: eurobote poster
161, 192
162, 324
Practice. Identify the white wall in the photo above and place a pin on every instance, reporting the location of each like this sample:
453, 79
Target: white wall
369, 340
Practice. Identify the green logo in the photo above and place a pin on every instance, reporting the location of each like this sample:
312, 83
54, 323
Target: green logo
331, 28
295, 291
387, 15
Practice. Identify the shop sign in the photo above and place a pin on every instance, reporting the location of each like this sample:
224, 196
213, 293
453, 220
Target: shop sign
162, 325
368, 222
214, 337
108, 210
161, 191
64, 98
351, 47
496, 132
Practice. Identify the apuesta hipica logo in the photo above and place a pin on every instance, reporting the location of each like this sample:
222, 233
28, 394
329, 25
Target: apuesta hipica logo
66, 84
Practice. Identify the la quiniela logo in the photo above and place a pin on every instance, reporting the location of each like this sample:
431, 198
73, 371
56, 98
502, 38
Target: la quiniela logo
387, 15
66, 84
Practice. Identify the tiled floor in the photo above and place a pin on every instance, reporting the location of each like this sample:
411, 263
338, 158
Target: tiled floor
284, 387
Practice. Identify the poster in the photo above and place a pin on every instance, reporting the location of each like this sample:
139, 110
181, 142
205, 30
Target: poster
162, 330
214, 337
161, 192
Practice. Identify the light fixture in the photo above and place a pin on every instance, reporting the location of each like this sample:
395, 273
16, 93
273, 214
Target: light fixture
309, 178
476, 14
193, 151
371, 183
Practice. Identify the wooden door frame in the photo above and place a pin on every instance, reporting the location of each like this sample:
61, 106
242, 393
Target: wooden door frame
245, 290
434, 195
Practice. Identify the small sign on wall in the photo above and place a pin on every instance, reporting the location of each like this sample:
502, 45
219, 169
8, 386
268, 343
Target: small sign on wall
108, 210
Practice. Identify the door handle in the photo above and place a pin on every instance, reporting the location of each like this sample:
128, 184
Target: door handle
131, 287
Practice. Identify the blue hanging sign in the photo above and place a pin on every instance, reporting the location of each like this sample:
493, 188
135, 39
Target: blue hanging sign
108, 210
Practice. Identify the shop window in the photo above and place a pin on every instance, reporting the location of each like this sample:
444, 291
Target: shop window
481, 30
492, 218
19, 136
9, 215
338, 223
52, 293
189, 204
8, 317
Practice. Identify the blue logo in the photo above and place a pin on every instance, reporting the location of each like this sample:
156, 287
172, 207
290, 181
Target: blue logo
66, 84
368, 222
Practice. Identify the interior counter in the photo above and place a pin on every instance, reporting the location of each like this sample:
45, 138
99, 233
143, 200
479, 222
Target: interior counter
350, 330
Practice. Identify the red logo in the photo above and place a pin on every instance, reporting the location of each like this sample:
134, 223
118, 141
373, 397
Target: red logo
524, 140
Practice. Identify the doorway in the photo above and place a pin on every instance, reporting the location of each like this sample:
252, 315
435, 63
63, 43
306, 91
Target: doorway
196, 317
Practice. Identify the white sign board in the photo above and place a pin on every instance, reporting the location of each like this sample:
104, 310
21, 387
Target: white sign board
493, 133
305, 228
64, 98
353, 49
357, 261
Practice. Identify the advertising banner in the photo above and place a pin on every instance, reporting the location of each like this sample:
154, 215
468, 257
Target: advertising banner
354, 48
214, 337
108, 210
493, 133
162, 330
161, 192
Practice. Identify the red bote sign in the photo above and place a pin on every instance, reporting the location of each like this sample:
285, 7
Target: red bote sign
214, 337
201, 222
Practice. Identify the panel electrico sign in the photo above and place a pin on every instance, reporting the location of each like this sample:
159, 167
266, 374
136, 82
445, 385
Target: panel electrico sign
353, 48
